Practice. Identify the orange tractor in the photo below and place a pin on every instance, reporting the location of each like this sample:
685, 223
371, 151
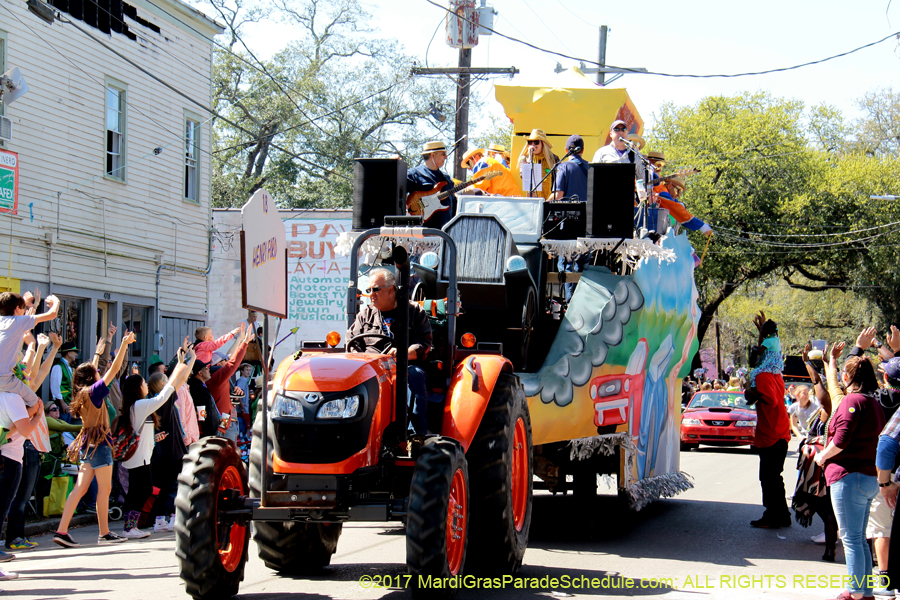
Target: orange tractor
332, 445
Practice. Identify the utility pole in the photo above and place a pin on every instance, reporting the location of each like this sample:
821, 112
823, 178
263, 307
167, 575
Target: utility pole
463, 85
601, 75
718, 348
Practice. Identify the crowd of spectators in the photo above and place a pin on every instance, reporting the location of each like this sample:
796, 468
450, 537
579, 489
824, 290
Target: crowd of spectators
205, 390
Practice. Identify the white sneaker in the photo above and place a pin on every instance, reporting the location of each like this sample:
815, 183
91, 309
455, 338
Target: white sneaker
7, 575
171, 525
160, 525
135, 534
818, 539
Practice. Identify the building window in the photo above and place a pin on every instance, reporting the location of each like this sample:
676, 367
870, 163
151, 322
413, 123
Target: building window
191, 160
115, 132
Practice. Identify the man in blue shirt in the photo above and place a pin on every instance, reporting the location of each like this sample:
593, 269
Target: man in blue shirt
427, 175
571, 184
571, 176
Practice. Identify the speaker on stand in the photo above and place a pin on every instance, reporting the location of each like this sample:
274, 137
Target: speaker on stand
379, 190
610, 200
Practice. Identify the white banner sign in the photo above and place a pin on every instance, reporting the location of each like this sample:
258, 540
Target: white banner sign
263, 261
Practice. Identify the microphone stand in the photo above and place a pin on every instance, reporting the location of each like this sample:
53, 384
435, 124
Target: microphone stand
645, 211
550, 172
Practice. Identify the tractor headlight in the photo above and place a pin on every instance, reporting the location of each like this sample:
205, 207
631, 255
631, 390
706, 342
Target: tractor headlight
745, 424
690, 421
342, 408
285, 406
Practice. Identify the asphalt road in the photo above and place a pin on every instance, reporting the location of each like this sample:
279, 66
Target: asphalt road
700, 541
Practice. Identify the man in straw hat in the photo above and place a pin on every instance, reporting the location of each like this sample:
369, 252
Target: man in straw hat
427, 175
471, 159
499, 153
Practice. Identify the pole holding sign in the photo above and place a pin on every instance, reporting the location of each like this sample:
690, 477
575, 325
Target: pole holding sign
263, 286
263, 258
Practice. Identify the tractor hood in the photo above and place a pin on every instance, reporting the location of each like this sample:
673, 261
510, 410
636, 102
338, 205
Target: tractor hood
321, 372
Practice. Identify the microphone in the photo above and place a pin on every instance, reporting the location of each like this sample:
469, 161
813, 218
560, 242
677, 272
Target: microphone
627, 142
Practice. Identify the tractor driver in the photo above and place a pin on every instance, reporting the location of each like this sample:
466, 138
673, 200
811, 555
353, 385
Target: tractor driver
378, 318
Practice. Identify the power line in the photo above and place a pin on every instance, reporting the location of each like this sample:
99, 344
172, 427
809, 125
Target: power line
753, 242
660, 74
790, 235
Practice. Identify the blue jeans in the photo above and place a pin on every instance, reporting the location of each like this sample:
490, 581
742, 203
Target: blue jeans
419, 399
851, 498
572, 266
31, 467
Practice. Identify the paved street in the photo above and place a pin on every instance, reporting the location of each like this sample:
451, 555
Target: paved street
699, 539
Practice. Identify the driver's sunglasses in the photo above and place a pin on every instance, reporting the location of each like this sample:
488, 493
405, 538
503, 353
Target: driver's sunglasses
375, 290
620, 128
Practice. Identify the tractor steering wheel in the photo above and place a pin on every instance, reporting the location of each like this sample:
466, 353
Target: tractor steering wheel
361, 338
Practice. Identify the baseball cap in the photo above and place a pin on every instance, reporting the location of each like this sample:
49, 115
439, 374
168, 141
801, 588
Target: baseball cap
891, 368
199, 365
574, 141
618, 122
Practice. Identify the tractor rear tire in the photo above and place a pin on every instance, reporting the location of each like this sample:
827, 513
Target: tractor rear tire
287, 546
211, 555
502, 467
437, 521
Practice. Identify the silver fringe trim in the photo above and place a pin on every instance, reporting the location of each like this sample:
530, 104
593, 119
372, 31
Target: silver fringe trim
584, 448
645, 491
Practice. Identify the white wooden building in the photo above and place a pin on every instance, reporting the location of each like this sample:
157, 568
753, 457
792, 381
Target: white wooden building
113, 212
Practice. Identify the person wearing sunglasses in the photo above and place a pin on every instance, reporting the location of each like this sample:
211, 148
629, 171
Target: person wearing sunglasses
620, 149
379, 317
537, 152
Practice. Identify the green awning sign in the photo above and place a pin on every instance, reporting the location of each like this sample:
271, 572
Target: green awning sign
9, 181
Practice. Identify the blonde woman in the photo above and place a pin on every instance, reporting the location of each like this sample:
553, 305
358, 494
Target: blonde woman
537, 150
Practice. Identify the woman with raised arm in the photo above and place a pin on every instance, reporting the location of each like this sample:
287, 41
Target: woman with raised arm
93, 445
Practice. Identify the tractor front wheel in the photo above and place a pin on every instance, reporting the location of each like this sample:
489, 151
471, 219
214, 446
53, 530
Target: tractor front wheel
437, 522
211, 552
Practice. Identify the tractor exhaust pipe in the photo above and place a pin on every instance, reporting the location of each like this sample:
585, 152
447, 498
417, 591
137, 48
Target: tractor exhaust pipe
401, 341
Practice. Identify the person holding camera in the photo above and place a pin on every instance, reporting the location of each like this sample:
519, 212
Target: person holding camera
773, 429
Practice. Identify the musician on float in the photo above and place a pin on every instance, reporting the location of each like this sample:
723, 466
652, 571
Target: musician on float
571, 184
429, 174
620, 149
538, 151
502, 184
498, 152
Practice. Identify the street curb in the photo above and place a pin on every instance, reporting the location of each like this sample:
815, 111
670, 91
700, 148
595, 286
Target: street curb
51, 525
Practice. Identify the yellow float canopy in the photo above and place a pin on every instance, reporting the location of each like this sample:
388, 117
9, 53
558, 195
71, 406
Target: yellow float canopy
570, 104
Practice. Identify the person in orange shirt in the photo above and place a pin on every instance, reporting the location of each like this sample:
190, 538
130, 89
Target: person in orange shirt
504, 185
667, 197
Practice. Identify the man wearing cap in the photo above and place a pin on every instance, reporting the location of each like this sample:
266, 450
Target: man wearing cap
571, 183
618, 150
657, 161
61, 378
504, 184
427, 175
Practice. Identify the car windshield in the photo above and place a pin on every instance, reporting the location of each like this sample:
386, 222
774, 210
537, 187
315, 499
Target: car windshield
720, 399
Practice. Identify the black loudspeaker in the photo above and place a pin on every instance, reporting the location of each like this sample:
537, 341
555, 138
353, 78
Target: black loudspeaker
610, 200
379, 189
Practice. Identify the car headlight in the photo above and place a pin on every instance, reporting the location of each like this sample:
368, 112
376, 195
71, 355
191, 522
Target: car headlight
342, 408
690, 421
745, 424
285, 406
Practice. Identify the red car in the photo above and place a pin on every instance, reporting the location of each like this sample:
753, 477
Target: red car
716, 418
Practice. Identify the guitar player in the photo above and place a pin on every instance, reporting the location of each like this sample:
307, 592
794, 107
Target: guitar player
427, 175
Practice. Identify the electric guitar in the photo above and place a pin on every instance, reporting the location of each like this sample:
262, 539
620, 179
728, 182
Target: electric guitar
686, 172
428, 202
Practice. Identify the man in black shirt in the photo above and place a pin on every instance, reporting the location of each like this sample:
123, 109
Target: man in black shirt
207, 413
379, 317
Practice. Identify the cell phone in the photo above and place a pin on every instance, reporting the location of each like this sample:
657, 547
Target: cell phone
134, 365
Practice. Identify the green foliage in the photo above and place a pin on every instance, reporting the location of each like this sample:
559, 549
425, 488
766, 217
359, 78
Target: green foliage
500, 131
777, 184
295, 123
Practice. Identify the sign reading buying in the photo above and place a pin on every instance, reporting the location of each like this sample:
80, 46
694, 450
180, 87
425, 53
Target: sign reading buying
9, 181
263, 257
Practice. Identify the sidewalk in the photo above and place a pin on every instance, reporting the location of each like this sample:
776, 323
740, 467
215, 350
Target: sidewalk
50, 525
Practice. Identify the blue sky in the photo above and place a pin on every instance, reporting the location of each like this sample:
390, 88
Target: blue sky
696, 37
